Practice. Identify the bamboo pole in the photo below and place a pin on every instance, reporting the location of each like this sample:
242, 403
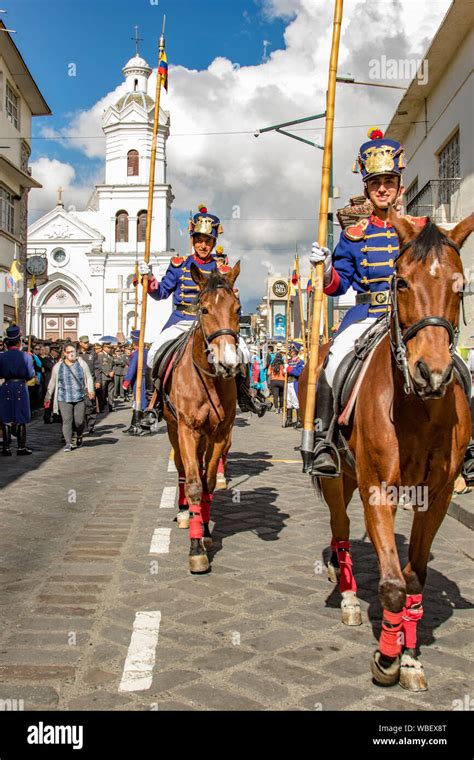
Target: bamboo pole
135, 316
31, 322
285, 382
307, 442
151, 187
300, 300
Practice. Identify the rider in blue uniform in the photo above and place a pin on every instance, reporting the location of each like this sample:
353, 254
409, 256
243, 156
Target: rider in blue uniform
204, 230
364, 258
16, 368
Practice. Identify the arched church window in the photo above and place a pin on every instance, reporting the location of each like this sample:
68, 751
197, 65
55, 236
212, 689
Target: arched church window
141, 226
121, 227
132, 163
135, 85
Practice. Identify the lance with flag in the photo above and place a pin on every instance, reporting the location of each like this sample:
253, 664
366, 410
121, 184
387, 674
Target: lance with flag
161, 79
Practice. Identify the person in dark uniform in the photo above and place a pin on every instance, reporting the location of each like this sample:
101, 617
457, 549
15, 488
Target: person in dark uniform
120, 370
16, 368
105, 363
87, 353
130, 378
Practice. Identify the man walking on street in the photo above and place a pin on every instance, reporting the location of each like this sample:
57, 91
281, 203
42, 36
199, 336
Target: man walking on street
106, 378
91, 359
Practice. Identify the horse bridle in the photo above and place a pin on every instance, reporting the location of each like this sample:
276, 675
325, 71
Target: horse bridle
398, 345
209, 338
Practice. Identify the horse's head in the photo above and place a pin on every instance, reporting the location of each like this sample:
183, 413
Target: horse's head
218, 315
426, 295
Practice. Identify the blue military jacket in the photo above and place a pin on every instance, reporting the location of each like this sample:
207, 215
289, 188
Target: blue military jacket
364, 258
131, 376
179, 282
16, 367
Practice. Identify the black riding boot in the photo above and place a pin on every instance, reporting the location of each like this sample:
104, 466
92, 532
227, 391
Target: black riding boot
323, 463
244, 397
298, 424
21, 435
289, 418
7, 441
468, 467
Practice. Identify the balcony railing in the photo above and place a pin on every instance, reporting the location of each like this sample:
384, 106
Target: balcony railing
439, 199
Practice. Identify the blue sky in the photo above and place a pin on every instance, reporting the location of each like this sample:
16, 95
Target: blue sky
96, 35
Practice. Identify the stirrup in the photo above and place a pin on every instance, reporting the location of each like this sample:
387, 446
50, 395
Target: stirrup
468, 465
328, 447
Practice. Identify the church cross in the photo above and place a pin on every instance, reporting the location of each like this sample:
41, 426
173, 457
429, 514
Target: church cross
60, 196
120, 290
137, 41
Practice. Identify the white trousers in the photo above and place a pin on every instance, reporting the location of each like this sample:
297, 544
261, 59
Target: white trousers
291, 397
174, 331
343, 344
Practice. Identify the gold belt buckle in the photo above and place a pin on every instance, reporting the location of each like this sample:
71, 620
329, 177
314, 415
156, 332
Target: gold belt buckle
380, 298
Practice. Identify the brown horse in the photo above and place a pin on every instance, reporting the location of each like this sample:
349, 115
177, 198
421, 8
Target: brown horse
203, 397
410, 428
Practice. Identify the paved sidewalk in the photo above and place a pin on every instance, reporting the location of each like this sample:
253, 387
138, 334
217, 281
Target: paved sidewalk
79, 539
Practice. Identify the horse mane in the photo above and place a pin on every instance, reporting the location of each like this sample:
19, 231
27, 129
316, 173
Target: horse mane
216, 280
430, 240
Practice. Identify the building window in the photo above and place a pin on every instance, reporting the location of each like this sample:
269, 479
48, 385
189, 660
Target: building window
12, 106
141, 226
449, 169
7, 216
121, 227
59, 256
132, 163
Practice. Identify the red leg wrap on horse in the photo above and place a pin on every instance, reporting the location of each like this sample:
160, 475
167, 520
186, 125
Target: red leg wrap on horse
390, 642
182, 501
206, 504
412, 614
220, 465
347, 581
195, 522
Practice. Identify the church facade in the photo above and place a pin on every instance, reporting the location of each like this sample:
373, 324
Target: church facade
92, 254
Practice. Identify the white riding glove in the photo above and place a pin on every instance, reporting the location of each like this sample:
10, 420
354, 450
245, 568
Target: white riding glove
321, 254
145, 269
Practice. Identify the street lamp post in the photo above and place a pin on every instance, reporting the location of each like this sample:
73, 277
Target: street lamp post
330, 232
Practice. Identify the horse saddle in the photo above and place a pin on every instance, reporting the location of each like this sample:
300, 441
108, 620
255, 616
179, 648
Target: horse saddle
351, 371
166, 358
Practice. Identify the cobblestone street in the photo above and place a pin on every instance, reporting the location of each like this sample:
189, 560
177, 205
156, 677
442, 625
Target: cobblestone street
88, 540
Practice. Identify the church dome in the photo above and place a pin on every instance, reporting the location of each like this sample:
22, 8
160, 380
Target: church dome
135, 97
136, 64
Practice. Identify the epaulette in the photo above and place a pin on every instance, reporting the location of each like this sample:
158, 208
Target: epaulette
356, 232
176, 261
417, 221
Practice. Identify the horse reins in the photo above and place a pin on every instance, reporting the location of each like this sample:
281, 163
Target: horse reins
209, 338
398, 346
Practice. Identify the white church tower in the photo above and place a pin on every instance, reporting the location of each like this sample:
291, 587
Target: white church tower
92, 253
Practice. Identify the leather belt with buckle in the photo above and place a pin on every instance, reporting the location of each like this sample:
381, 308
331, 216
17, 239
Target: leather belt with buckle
379, 298
186, 308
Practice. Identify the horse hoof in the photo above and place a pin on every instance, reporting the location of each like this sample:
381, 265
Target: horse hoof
350, 608
412, 676
334, 573
221, 483
198, 561
182, 518
382, 675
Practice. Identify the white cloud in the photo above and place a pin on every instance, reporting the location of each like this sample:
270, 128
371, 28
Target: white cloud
274, 179
54, 174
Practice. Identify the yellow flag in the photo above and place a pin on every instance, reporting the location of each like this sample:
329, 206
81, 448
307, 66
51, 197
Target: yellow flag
15, 273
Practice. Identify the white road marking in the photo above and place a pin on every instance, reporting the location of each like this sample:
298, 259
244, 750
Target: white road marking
171, 466
168, 497
160, 542
138, 669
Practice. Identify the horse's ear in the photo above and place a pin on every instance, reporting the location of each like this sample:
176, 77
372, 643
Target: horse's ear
198, 276
234, 273
461, 231
404, 229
